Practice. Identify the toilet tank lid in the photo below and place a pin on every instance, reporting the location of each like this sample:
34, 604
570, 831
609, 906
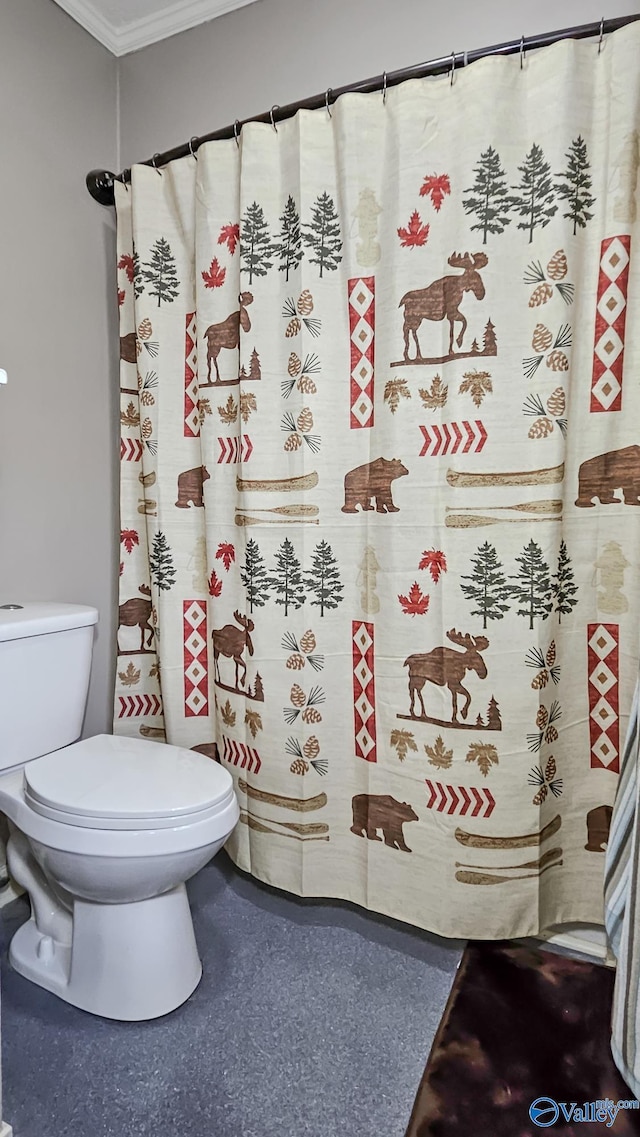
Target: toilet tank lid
41, 618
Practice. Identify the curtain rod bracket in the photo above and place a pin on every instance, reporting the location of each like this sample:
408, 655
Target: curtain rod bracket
100, 184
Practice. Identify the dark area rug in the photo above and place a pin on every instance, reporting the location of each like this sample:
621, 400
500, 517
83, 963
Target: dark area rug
522, 1024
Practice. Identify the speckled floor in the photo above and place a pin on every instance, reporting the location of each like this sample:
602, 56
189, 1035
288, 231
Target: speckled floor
312, 1019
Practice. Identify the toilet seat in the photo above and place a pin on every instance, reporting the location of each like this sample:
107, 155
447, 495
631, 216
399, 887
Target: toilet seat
114, 783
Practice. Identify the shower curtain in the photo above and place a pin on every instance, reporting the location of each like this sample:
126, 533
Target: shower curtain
380, 483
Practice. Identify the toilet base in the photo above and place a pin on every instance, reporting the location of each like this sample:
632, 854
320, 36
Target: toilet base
126, 961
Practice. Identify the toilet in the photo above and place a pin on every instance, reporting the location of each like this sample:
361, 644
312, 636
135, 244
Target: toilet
104, 832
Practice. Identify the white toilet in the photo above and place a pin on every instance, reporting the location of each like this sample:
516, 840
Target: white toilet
104, 832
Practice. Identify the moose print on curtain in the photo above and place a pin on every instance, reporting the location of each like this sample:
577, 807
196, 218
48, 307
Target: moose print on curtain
380, 484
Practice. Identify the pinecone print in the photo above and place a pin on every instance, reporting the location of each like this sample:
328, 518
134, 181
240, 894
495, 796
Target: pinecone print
294, 365
540, 295
299, 766
541, 428
551, 654
557, 361
297, 696
308, 642
557, 267
293, 442
542, 717
295, 662
305, 420
556, 403
147, 399
542, 338
311, 715
146, 429
306, 385
545, 781
305, 303
144, 329
545, 665
311, 748
293, 328
540, 681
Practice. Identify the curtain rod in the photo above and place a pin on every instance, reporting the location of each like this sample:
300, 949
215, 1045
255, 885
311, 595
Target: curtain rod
100, 183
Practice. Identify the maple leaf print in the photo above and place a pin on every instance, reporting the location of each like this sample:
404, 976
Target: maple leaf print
247, 405
121, 296
228, 714
229, 412
416, 603
394, 391
435, 561
436, 396
229, 236
477, 384
403, 741
485, 754
215, 584
214, 278
438, 754
128, 538
253, 721
130, 677
415, 234
204, 409
126, 262
436, 186
226, 553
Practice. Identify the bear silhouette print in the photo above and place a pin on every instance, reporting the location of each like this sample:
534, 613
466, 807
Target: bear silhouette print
605, 475
381, 811
190, 483
598, 825
372, 482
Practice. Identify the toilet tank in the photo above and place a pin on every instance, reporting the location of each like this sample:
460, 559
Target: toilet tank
45, 664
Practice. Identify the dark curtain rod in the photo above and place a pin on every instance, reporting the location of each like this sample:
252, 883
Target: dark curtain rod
100, 183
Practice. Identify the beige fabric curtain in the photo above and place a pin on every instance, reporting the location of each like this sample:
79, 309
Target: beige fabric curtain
380, 484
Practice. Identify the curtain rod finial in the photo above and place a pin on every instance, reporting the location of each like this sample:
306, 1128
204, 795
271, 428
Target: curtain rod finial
100, 186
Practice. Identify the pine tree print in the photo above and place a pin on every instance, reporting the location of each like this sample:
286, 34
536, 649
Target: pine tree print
489, 196
138, 283
160, 272
487, 585
324, 578
289, 247
575, 184
323, 234
563, 586
535, 203
256, 247
287, 580
161, 564
253, 574
532, 584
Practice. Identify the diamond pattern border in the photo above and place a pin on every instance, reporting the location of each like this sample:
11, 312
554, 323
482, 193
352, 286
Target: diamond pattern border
196, 659
364, 690
611, 315
603, 644
191, 418
362, 316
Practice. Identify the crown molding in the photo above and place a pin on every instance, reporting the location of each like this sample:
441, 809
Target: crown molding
148, 29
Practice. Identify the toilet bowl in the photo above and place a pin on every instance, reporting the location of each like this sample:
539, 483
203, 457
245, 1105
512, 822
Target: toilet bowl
104, 832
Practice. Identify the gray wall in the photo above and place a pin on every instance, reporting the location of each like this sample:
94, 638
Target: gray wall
277, 51
58, 417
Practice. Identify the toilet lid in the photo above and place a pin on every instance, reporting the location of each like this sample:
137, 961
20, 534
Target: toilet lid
134, 781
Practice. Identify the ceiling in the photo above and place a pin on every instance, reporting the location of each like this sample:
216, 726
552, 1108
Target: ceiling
127, 25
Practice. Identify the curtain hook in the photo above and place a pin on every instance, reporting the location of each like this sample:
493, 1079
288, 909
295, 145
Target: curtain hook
275, 107
453, 67
521, 52
384, 88
235, 132
154, 161
601, 35
326, 101
194, 138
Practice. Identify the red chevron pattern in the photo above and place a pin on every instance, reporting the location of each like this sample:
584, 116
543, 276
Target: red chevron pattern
451, 437
238, 754
130, 450
135, 706
191, 417
364, 691
603, 643
235, 449
477, 802
611, 316
196, 662
362, 320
